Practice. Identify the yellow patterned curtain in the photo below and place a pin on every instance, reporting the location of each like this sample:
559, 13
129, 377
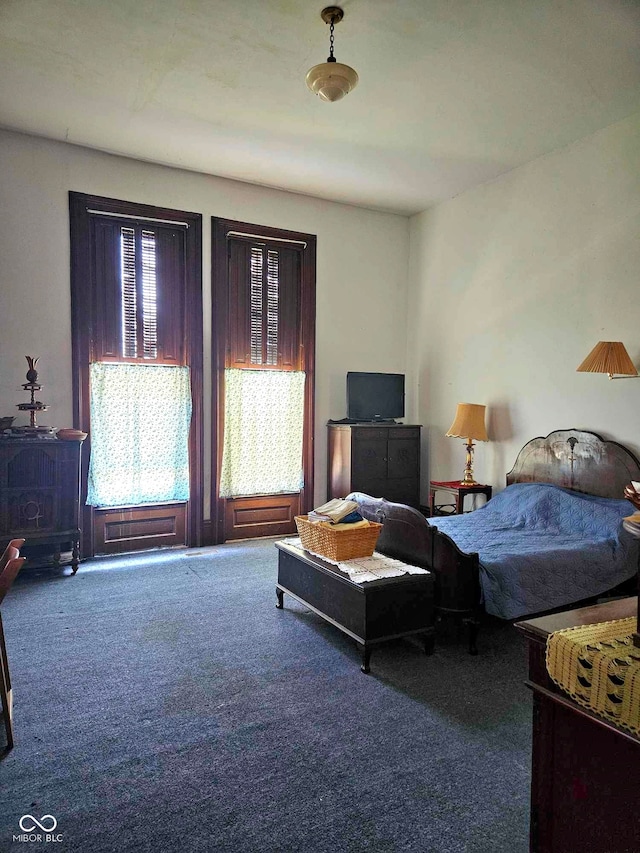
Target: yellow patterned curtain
262, 432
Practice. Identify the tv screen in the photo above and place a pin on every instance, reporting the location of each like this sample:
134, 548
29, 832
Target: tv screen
375, 396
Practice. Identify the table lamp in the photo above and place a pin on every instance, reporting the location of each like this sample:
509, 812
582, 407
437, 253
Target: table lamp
469, 424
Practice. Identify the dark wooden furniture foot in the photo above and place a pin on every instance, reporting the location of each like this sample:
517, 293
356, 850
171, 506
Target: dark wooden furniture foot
75, 556
473, 627
465, 621
366, 657
280, 597
429, 643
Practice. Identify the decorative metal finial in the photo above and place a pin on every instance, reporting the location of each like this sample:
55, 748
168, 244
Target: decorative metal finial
32, 373
32, 385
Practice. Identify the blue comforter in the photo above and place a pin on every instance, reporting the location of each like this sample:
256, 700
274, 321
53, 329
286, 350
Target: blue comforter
541, 547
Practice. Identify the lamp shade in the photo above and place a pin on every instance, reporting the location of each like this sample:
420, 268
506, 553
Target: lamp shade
608, 357
469, 422
331, 80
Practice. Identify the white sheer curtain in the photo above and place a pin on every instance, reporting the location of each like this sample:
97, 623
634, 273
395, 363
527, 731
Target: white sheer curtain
140, 416
263, 431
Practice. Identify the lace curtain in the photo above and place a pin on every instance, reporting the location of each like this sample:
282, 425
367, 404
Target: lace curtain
262, 432
140, 416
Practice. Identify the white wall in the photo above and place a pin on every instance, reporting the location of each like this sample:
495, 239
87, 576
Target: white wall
361, 269
512, 284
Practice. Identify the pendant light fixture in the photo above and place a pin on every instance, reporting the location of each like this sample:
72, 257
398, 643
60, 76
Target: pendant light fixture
331, 80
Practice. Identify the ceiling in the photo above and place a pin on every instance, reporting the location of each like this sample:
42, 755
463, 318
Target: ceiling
452, 93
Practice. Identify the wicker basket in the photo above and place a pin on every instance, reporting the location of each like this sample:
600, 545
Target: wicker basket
338, 545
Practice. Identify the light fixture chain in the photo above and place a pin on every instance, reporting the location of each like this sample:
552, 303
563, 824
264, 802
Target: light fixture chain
331, 37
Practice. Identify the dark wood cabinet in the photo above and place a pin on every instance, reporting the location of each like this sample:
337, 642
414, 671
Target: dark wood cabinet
381, 460
40, 496
585, 777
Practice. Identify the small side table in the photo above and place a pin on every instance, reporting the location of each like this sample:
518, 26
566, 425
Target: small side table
458, 490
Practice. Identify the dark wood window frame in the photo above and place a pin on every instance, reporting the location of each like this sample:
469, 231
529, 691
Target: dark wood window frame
220, 345
82, 309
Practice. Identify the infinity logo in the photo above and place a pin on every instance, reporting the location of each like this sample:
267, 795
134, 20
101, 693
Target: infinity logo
39, 823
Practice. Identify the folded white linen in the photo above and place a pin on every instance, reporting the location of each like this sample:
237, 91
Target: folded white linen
365, 569
334, 510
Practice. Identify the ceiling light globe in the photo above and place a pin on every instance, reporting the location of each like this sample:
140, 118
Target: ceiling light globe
331, 80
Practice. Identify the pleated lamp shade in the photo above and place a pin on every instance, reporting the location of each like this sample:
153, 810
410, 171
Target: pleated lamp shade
608, 357
469, 422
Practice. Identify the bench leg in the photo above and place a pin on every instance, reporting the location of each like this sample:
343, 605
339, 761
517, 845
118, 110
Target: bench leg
75, 556
473, 626
365, 651
429, 643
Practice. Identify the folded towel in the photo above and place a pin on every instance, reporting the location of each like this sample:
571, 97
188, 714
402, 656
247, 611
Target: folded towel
348, 520
334, 510
352, 518
341, 526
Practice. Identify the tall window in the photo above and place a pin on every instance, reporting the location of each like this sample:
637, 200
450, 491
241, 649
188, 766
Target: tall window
264, 305
264, 379
136, 298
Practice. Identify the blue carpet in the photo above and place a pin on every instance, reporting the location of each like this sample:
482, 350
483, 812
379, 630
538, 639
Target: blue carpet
163, 703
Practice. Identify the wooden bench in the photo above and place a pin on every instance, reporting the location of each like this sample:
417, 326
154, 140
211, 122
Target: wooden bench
370, 613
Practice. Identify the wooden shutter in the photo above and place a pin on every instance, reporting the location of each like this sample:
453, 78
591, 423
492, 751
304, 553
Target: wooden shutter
289, 324
263, 325
138, 273
239, 312
107, 321
172, 335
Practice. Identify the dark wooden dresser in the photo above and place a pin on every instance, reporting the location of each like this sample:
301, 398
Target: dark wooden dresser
585, 778
381, 460
40, 496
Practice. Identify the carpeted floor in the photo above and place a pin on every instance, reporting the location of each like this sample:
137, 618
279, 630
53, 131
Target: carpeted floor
163, 703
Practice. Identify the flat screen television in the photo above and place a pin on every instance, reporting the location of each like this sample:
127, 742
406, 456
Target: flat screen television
375, 396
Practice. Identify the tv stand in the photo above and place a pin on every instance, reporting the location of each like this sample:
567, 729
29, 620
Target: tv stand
379, 458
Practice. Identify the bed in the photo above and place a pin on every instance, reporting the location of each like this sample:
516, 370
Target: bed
552, 538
